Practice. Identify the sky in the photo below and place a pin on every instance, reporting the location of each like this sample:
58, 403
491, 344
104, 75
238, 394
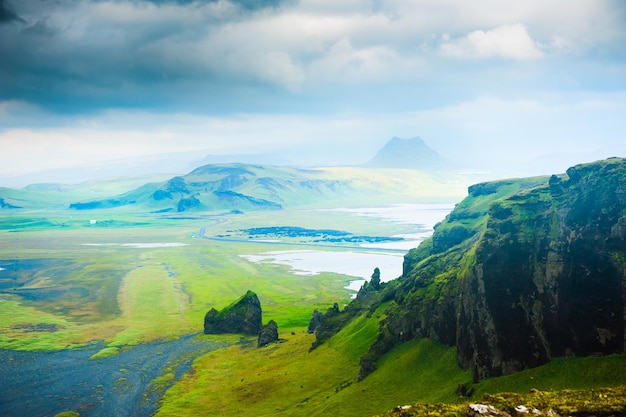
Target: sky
522, 86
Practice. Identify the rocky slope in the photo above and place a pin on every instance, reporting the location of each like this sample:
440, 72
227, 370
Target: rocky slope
522, 271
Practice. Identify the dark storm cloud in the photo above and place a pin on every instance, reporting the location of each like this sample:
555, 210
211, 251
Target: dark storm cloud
79, 54
67, 55
7, 14
245, 55
473, 77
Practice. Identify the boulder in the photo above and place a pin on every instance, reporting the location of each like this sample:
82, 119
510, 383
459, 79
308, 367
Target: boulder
243, 316
268, 334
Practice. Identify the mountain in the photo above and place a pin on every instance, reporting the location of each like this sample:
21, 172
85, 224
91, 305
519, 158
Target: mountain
520, 272
410, 153
226, 186
239, 186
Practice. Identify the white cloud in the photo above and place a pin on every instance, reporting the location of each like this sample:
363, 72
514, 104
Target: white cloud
366, 69
509, 41
217, 41
492, 131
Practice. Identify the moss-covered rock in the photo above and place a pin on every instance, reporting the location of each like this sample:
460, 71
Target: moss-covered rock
243, 316
268, 334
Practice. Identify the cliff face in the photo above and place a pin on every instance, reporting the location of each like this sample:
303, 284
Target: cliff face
243, 316
520, 272
548, 278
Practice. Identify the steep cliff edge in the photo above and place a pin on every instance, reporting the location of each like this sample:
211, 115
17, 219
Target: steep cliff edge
521, 271
548, 278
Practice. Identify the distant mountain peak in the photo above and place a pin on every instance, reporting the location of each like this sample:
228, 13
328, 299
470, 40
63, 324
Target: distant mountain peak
412, 153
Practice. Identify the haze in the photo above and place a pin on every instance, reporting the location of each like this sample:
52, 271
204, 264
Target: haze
513, 88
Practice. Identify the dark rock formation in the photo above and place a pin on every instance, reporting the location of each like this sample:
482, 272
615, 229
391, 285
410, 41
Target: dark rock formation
268, 334
549, 274
243, 316
315, 322
329, 324
372, 285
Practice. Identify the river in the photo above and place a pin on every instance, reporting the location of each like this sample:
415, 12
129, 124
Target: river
46, 383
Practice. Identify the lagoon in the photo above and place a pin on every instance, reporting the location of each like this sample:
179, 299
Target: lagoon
423, 216
360, 264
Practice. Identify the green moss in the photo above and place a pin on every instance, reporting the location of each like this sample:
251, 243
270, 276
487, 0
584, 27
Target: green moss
104, 353
238, 306
67, 414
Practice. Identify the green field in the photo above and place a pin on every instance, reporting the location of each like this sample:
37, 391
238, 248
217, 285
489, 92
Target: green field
128, 279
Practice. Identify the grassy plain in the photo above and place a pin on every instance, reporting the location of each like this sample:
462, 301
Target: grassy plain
130, 278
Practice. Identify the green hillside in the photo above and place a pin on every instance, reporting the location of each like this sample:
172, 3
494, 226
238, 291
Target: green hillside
254, 187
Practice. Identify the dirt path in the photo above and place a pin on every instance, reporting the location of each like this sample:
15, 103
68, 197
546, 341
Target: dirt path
44, 384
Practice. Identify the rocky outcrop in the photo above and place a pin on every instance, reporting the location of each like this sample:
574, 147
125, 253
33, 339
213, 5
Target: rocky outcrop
243, 316
315, 322
522, 271
268, 334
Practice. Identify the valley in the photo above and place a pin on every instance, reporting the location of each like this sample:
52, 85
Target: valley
109, 302
101, 286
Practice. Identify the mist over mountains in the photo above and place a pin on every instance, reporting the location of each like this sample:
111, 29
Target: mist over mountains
396, 153
410, 153
165, 164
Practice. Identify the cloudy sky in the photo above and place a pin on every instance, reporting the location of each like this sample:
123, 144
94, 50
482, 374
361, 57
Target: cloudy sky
530, 85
